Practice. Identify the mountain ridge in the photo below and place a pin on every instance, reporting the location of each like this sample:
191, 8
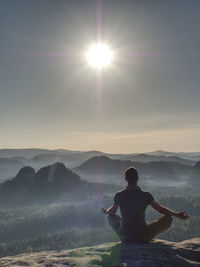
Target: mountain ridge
105, 165
11, 160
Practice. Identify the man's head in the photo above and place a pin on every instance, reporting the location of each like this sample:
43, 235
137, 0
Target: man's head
131, 176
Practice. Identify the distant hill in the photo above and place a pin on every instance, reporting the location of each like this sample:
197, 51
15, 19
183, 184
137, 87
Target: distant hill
80, 156
33, 152
38, 158
185, 155
148, 158
27, 153
69, 159
12, 160
157, 169
103, 165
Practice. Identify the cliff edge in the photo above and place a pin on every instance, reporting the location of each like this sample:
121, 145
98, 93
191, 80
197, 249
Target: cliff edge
156, 253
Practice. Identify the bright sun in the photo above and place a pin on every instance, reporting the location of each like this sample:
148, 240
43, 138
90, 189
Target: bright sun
99, 55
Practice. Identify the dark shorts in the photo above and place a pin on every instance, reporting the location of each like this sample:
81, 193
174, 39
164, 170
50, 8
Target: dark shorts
154, 228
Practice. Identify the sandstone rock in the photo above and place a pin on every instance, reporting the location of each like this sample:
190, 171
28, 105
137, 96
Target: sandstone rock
157, 253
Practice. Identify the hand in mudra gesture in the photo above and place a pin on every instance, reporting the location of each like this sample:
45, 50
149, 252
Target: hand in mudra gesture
183, 215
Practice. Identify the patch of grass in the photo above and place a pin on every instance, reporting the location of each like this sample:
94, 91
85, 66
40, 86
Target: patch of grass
113, 259
110, 258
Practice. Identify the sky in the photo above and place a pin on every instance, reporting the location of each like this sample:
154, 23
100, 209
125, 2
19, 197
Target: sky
147, 99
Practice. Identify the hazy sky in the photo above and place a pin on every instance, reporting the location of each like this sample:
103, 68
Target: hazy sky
148, 99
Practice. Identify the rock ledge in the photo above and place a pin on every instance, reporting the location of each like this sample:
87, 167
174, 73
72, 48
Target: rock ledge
156, 253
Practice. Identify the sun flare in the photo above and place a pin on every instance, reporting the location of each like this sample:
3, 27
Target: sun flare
99, 55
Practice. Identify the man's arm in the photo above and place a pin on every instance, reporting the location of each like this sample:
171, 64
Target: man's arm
163, 210
113, 209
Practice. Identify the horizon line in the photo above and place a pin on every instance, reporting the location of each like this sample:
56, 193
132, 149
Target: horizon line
93, 150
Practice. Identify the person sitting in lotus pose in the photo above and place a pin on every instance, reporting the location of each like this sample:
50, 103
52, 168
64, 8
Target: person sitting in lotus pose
132, 201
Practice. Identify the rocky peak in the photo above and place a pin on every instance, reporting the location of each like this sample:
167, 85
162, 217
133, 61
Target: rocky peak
58, 176
22, 180
25, 172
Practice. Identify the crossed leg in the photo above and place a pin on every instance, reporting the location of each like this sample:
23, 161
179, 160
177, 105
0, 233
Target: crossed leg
154, 228
115, 222
159, 226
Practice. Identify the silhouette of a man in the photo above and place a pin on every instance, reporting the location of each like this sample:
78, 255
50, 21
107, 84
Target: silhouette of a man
132, 201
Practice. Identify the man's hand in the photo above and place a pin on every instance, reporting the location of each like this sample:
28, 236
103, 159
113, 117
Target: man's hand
163, 210
113, 209
104, 210
182, 215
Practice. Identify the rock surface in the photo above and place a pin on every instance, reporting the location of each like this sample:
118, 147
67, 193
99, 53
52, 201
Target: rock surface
157, 253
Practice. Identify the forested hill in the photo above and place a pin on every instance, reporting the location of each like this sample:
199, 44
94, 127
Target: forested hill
46, 184
105, 165
12, 160
50, 184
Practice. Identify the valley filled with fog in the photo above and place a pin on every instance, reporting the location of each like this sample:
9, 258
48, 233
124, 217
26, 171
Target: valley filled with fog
52, 199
